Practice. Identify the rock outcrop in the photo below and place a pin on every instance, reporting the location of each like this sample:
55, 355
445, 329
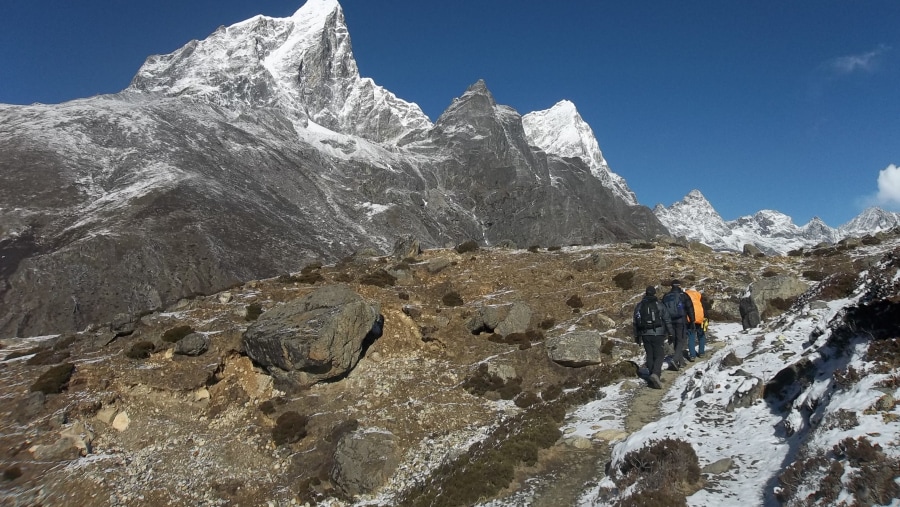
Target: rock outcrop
317, 337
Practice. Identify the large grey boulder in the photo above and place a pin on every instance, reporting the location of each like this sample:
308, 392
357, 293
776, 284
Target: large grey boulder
577, 348
502, 319
784, 287
317, 337
364, 460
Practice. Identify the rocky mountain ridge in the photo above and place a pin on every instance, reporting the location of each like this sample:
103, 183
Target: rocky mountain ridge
253, 151
771, 231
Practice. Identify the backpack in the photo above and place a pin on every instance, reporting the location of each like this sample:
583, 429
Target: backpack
648, 316
675, 304
697, 301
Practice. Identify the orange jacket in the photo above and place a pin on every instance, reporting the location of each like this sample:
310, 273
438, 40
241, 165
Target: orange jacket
698, 307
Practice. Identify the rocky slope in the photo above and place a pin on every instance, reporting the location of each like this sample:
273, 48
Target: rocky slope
135, 420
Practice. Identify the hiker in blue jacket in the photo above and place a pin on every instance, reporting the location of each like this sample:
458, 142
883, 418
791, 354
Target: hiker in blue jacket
651, 325
681, 311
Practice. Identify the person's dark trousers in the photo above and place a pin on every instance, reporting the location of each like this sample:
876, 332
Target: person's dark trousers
696, 339
653, 345
680, 342
692, 339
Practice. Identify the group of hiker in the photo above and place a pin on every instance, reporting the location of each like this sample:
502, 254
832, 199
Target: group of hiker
678, 320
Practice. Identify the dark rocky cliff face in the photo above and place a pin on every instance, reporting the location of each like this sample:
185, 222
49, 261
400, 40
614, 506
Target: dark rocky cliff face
129, 202
251, 153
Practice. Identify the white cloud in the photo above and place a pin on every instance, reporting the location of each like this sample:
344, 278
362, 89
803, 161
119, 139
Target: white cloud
889, 186
865, 62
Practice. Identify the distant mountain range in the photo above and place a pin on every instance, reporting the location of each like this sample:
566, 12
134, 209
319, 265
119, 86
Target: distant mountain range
771, 231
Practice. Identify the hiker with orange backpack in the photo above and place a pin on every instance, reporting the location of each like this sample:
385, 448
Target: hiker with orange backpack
696, 330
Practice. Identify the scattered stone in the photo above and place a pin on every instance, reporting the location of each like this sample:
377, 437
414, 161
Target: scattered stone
30, 407
121, 421
364, 460
193, 344
106, 414
610, 435
719, 467
580, 442
575, 349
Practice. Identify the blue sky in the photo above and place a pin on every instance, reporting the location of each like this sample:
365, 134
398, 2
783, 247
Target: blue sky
785, 105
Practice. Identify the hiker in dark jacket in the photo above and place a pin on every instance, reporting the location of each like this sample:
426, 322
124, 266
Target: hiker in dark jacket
653, 336
749, 312
681, 311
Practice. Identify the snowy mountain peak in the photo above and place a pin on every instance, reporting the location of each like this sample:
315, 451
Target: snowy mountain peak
870, 220
561, 131
693, 217
316, 9
302, 65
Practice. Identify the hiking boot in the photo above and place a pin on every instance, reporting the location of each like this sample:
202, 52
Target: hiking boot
690, 358
655, 382
674, 367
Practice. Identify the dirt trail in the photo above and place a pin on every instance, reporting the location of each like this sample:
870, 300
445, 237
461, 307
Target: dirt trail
568, 468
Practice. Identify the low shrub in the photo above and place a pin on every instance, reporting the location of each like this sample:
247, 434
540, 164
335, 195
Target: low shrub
551, 392
816, 276
526, 399
343, 278
668, 466
176, 333
547, 323
782, 304
607, 347
520, 339
286, 278
575, 301
534, 248
510, 389
624, 280
312, 266
554, 248
466, 246
816, 472
12, 473
837, 286
140, 350
254, 310
290, 427
310, 278
644, 245
655, 498
54, 380
452, 298
873, 478
885, 353
379, 278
